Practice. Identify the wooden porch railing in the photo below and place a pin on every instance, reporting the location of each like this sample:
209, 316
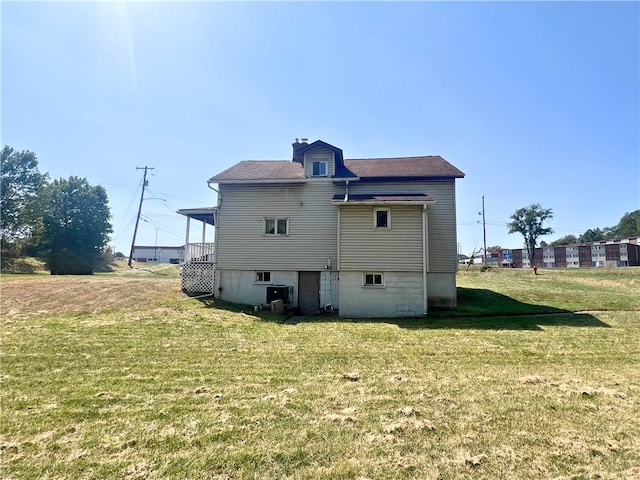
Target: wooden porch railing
199, 252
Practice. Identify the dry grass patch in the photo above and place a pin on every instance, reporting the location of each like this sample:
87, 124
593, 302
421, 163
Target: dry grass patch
47, 295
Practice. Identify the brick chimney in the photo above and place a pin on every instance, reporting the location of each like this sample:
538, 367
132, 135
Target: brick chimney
297, 145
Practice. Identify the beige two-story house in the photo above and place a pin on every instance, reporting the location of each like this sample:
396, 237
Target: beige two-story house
371, 237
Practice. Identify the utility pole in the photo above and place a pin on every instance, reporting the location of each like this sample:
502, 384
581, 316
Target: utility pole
135, 230
484, 232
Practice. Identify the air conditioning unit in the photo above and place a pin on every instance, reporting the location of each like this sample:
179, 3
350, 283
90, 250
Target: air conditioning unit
280, 292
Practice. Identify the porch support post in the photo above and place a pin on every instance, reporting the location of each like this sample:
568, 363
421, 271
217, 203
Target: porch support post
204, 230
187, 252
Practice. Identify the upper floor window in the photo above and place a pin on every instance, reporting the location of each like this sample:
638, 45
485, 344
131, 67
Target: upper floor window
276, 226
319, 169
381, 218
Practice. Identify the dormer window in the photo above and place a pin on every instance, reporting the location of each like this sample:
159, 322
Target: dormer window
319, 169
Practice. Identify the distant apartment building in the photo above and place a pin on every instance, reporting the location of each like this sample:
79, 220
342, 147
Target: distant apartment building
607, 253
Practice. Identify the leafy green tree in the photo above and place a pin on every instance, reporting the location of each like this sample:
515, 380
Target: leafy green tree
20, 184
529, 222
592, 235
566, 240
75, 226
629, 225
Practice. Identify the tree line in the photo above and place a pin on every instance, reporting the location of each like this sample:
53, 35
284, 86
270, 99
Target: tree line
628, 226
64, 221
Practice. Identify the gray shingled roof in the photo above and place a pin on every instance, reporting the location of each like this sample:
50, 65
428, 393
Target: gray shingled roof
261, 170
430, 166
422, 167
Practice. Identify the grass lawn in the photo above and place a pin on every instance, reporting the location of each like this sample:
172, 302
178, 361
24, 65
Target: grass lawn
117, 376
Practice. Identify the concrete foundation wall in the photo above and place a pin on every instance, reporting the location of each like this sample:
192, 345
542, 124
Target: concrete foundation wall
400, 297
441, 290
238, 286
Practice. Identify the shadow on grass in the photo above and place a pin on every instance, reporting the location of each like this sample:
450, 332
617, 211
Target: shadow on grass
477, 309
263, 315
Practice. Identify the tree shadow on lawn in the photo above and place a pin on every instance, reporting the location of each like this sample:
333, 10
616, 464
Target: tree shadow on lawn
477, 309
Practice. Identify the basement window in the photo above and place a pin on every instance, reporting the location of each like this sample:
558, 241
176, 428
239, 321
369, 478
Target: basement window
373, 280
263, 277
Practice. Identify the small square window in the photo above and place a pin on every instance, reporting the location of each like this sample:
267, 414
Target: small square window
373, 279
382, 218
276, 226
319, 169
263, 277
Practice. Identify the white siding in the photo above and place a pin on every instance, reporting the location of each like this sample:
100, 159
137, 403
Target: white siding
242, 244
363, 247
443, 255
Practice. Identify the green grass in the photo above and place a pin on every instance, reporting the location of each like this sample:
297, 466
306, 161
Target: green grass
126, 379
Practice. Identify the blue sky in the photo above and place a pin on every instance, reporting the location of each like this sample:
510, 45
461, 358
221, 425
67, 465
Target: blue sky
536, 102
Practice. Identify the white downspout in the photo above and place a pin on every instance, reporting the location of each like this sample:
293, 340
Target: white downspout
215, 234
338, 246
425, 258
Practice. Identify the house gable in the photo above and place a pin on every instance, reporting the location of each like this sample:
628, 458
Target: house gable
320, 159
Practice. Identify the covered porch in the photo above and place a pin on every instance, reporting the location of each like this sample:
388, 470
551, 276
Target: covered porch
198, 270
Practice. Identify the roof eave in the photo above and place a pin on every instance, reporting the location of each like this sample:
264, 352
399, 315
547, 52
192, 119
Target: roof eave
257, 180
409, 178
342, 203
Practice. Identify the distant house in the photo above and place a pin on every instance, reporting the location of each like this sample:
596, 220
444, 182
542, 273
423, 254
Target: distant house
158, 254
373, 237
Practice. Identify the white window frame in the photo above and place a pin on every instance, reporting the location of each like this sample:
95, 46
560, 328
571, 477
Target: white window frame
259, 277
277, 222
319, 162
373, 275
375, 219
